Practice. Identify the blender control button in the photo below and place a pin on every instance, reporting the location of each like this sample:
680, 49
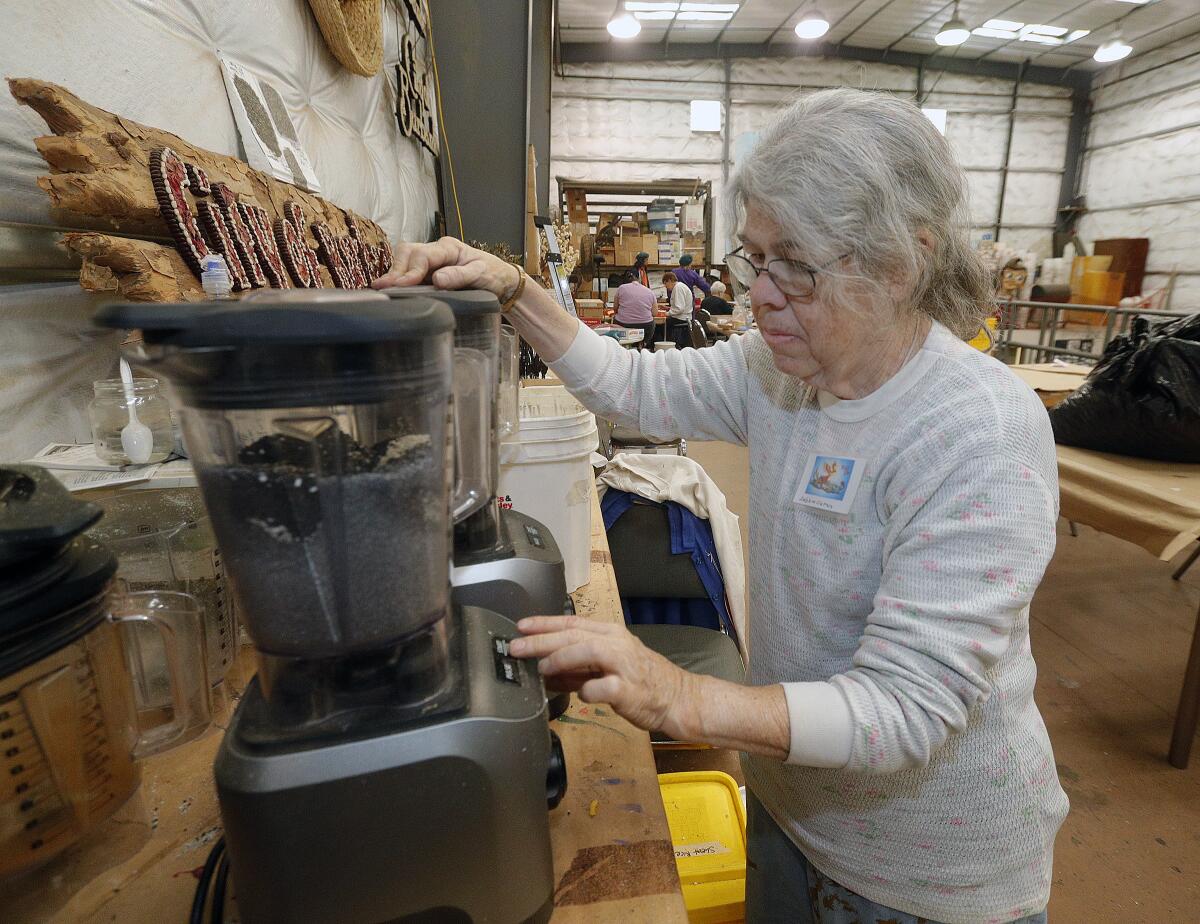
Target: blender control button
508, 669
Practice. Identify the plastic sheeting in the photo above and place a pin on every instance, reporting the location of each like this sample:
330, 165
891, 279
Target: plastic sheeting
1131, 180
51, 356
155, 61
645, 118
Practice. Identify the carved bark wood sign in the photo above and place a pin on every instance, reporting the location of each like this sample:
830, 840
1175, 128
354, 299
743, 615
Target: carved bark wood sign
150, 182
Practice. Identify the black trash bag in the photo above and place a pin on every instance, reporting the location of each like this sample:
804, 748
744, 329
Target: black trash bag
1142, 398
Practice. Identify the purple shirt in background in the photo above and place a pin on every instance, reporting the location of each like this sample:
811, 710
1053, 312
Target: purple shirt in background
636, 304
693, 280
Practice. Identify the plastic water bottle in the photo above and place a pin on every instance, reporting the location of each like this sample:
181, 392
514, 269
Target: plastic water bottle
214, 277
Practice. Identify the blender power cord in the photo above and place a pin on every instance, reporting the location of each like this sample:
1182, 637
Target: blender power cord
216, 866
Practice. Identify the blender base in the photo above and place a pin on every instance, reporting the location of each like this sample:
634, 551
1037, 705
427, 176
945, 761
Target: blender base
438, 822
528, 581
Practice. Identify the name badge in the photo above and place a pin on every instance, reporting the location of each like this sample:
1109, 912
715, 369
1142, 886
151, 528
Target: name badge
830, 482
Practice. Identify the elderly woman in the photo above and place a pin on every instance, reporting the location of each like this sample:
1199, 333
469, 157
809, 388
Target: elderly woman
903, 503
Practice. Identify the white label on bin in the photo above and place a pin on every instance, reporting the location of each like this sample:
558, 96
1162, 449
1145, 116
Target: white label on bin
706, 849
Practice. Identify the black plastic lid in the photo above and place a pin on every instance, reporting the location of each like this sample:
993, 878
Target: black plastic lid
291, 323
38, 516
463, 302
49, 603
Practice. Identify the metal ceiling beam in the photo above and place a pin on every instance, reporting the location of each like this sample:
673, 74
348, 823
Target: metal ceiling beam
875, 12
603, 52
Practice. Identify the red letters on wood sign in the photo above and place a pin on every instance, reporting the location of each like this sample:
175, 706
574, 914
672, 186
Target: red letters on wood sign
264, 244
169, 175
259, 252
294, 214
217, 231
226, 201
327, 249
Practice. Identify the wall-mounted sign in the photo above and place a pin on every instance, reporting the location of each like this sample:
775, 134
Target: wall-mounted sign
414, 113
268, 134
147, 183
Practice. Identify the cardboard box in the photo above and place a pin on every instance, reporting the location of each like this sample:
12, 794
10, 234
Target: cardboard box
650, 243
577, 205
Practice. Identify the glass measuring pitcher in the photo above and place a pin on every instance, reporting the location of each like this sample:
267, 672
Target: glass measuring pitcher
164, 541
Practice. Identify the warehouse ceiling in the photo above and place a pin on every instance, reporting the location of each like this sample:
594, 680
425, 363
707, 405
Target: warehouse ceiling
1027, 29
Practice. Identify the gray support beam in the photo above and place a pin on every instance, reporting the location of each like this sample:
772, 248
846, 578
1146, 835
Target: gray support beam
593, 52
490, 79
541, 54
1012, 123
1081, 114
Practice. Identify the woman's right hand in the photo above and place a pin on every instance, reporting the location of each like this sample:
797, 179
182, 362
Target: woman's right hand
449, 264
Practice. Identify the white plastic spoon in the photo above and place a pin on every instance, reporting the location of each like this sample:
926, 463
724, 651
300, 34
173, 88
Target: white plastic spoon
137, 441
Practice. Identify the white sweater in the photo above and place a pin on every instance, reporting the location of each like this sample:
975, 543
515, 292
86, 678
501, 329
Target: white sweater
920, 774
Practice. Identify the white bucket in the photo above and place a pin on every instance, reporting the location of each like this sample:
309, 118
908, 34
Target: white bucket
660, 345
546, 473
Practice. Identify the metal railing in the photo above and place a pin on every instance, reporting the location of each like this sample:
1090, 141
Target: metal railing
1111, 322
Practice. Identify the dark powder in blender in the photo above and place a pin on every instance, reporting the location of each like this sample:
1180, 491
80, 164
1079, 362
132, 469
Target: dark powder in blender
333, 546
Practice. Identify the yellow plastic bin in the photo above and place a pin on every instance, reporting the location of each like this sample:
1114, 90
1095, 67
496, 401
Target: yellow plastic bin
708, 831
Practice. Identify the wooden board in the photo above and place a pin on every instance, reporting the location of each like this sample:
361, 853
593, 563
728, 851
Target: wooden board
615, 865
100, 168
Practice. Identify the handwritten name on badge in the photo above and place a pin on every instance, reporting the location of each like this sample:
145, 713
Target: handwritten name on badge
830, 482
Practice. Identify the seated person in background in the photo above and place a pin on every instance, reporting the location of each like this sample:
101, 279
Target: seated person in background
679, 314
634, 304
715, 303
689, 277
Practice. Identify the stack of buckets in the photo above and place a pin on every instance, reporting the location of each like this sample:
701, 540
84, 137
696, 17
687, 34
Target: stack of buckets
546, 472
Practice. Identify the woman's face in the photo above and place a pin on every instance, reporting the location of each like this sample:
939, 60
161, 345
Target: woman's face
821, 345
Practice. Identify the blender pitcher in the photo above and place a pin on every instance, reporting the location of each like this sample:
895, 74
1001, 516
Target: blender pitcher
319, 432
70, 727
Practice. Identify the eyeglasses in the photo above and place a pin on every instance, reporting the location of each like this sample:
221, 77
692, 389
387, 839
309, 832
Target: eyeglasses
792, 277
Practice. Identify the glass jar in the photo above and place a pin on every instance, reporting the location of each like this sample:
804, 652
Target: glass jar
109, 413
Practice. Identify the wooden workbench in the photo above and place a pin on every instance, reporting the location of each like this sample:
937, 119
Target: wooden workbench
613, 860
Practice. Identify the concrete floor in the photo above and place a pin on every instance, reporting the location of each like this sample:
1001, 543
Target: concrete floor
1110, 633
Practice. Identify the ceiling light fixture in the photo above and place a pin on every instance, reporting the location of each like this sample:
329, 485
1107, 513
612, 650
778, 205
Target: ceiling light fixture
1006, 24
1078, 34
989, 32
656, 14
1055, 31
711, 7
1113, 50
954, 32
812, 25
624, 26
1040, 39
703, 16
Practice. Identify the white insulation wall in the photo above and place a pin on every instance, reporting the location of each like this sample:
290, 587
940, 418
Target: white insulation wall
1141, 177
630, 121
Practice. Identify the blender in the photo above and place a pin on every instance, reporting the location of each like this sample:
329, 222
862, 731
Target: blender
503, 559
390, 761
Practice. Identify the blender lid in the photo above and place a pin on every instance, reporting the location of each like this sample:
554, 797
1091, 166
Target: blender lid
38, 516
44, 606
290, 323
463, 302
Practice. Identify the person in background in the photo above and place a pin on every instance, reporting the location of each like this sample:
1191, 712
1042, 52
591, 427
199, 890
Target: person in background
679, 314
689, 277
714, 302
640, 268
635, 303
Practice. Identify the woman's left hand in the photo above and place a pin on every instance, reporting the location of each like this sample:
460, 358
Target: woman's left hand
606, 663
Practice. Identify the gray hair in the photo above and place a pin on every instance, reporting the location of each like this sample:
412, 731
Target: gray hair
851, 172
717, 288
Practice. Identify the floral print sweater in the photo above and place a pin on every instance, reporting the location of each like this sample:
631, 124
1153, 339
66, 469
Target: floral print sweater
895, 544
